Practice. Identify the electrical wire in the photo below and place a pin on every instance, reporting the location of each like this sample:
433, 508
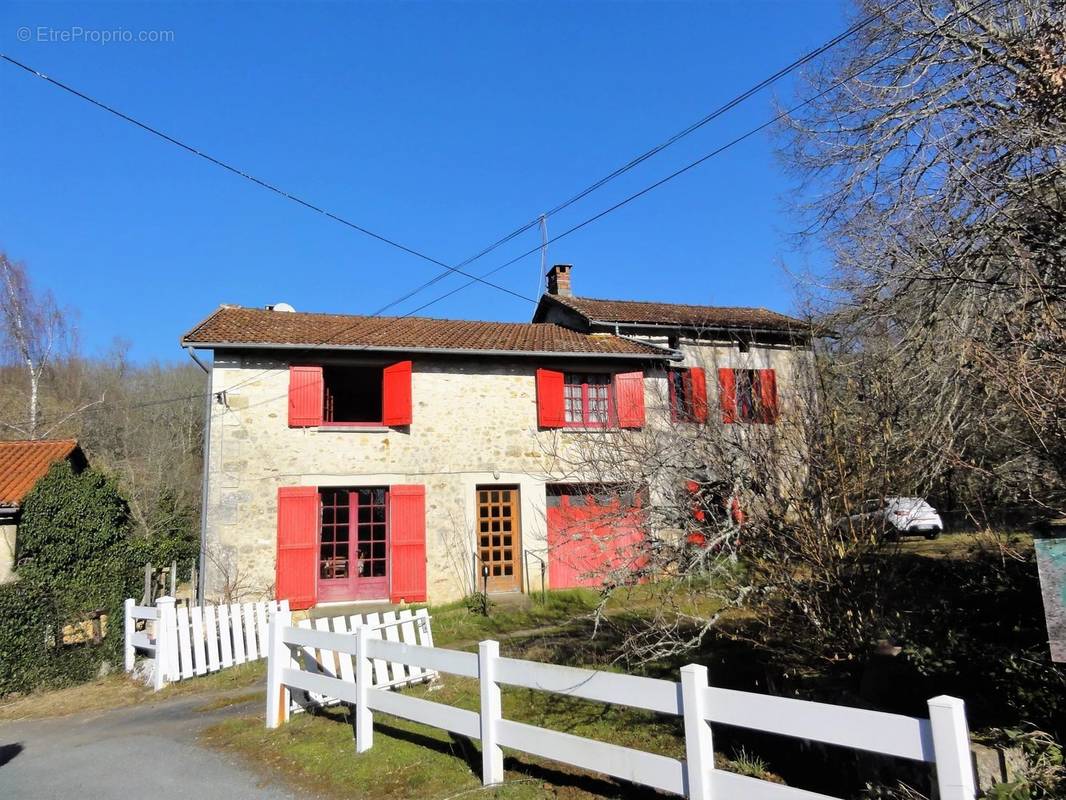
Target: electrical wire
249, 177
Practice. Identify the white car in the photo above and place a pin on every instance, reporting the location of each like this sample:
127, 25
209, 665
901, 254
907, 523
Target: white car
897, 516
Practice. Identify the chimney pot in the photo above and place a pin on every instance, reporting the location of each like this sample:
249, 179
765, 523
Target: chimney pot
559, 280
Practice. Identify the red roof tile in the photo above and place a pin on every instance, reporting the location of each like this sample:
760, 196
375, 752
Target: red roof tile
652, 313
235, 326
22, 464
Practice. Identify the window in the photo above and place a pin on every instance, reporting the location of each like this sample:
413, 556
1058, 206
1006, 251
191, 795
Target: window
748, 395
746, 382
349, 395
587, 400
352, 395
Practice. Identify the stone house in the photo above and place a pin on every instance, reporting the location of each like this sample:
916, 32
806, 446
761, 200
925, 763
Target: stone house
22, 464
409, 459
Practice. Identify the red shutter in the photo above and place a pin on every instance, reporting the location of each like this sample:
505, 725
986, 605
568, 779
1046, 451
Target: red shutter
305, 396
698, 378
629, 399
727, 394
297, 557
396, 394
767, 396
407, 543
550, 399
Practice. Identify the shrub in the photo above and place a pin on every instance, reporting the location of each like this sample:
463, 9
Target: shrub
29, 625
73, 546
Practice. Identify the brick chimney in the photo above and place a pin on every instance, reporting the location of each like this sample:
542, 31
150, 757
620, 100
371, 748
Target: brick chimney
559, 280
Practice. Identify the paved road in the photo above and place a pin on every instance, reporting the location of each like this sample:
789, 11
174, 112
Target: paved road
143, 751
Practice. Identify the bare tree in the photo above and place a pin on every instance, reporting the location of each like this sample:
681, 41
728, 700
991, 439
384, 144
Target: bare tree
34, 333
933, 154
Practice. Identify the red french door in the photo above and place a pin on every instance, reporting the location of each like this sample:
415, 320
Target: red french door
353, 548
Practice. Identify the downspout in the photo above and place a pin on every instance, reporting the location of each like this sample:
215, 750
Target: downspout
206, 481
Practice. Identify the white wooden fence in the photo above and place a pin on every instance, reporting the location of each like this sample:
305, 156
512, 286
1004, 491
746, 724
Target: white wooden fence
941, 740
406, 626
185, 642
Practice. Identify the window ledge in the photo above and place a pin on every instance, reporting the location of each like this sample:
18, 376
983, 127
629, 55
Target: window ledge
575, 429
353, 428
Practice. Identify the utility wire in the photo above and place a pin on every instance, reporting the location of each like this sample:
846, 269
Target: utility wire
257, 181
632, 163
630, 198
677, 173
640, 159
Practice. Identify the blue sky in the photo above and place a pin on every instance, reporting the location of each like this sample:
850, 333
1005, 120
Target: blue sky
442, 125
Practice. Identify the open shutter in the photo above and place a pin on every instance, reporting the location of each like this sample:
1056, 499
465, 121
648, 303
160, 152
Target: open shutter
305, 397
629, 399
407, 543
767, 396
297, 557
698, 378
550, 399
727, 394
396, 394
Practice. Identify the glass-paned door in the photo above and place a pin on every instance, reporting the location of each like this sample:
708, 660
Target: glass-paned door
353, 544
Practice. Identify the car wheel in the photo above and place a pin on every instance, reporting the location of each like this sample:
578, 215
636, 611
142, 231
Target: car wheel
933, 534
891, 535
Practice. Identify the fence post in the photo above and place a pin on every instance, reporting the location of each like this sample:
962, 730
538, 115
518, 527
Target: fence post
166, 642
129, 628
147, 598
491, 710
364, 718
951, 748
277, 710
699, 743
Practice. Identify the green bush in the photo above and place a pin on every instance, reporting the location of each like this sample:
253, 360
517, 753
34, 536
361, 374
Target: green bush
74, 555
29, 625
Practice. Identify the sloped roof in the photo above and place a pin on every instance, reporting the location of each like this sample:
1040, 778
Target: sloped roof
679, 314
236, 326
22, 464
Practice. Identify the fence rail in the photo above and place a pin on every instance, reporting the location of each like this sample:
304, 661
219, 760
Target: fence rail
941, 740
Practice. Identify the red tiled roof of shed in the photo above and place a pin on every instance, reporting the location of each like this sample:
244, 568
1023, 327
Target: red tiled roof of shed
22, 464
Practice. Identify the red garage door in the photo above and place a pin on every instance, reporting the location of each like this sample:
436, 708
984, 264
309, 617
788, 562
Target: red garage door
594, 534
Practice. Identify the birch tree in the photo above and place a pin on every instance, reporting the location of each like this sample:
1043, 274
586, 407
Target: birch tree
34, 334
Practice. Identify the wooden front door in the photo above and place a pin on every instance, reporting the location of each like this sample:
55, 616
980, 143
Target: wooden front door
353, 548
500, 537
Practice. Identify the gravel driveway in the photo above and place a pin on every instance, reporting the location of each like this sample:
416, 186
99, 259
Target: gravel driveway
141, 751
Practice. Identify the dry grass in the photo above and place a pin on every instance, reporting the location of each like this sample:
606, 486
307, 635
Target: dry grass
118, 691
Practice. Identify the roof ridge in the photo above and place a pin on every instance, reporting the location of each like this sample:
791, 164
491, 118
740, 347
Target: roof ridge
413, 317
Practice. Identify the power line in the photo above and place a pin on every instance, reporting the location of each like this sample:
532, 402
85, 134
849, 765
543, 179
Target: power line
640, 159
630, 198
677, 173
257, 181
632, 163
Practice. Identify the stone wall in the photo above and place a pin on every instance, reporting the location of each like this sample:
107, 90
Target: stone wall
474, 424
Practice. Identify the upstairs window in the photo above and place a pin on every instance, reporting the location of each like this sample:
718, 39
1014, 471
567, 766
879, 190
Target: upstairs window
349, 395
688, 395
587, 399
352, 395
748, 395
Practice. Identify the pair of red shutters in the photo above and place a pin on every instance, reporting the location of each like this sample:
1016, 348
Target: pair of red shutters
727, 393
306, 390
297, 557
628, 399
